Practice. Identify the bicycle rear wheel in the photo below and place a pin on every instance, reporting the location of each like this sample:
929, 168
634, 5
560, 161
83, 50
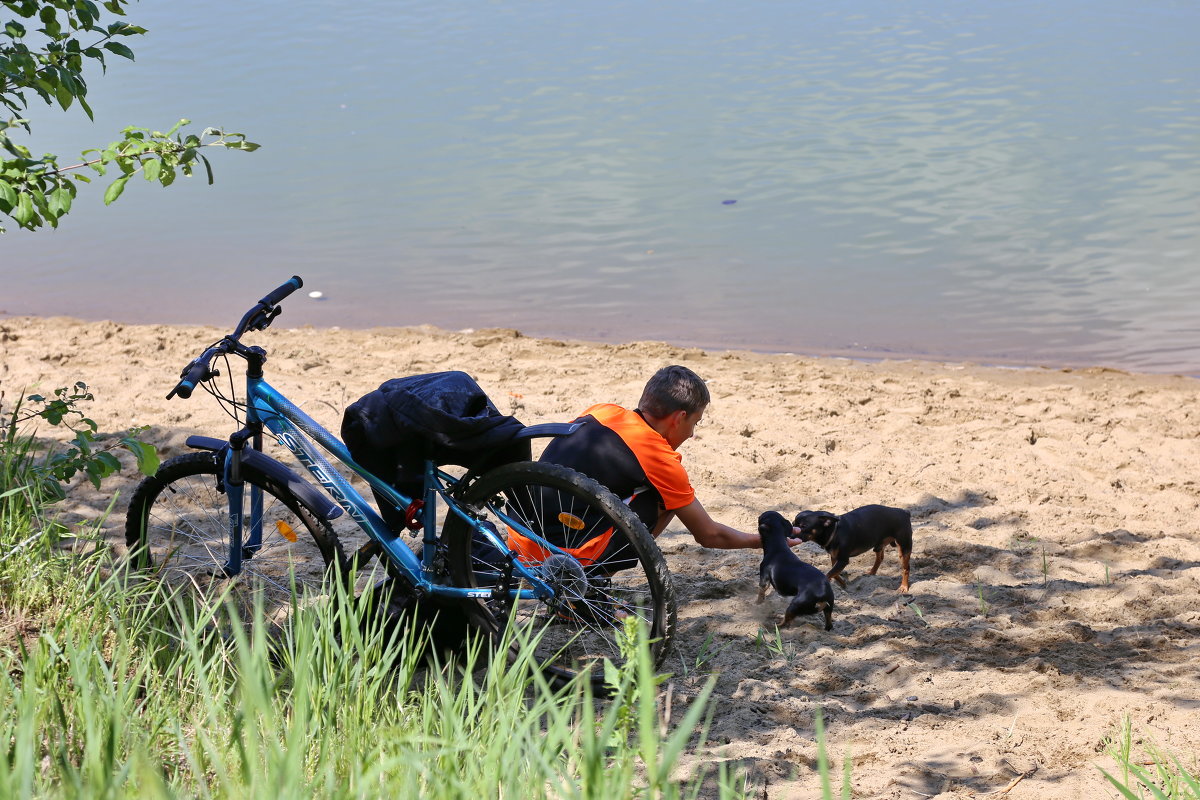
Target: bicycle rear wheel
598, 584
177, 531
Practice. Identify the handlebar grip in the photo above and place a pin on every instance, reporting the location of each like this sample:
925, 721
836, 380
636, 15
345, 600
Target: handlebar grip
283, 291
195, 372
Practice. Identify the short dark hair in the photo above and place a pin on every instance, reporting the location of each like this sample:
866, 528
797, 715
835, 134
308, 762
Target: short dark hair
672, 389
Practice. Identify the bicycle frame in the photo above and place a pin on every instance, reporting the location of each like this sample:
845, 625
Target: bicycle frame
266, 407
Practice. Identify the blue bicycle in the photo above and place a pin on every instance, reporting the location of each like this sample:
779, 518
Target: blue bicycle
535, 543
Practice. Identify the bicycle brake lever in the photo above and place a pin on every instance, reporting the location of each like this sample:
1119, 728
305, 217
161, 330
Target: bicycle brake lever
265, 319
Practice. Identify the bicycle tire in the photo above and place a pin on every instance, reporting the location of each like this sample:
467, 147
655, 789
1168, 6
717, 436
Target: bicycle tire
580, 626
177, 530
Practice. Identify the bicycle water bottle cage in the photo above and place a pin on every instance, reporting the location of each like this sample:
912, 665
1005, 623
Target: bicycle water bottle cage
412, 515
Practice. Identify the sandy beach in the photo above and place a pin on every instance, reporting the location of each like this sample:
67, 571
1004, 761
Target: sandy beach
1056, 567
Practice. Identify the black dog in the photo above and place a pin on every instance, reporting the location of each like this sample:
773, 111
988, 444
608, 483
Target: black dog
856, 532
784, 570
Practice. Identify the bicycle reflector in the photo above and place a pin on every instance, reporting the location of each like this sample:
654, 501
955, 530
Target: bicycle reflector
285, 530
571, 521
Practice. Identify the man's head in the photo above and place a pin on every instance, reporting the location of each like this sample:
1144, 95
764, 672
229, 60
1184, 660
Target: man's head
673, 402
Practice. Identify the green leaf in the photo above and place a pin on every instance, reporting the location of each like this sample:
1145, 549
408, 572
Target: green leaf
1124, 790
60, 201
208, 169
119, 49
50, 22
14, 29
114, 190
23, 213
83, 442
8, 194
95, 471
152, 168
612, 676
64, 95
87, 14
146, 455
110, 461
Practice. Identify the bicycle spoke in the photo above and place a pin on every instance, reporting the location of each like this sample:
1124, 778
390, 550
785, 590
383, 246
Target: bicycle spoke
581, 623
186, 537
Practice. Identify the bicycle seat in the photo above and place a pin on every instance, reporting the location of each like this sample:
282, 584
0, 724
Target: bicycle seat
547, 429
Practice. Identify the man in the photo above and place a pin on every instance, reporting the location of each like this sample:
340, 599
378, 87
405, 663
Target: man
634, 454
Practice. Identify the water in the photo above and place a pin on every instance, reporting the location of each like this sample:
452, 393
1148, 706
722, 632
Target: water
1012, 182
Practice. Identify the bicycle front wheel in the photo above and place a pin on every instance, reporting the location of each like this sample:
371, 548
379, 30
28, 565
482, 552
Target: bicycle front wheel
177, 531
604, 568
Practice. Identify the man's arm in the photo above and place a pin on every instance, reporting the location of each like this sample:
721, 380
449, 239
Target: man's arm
710, 533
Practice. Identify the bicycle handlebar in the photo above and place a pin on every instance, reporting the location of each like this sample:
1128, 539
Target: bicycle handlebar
257, 318
283, 291
193, 374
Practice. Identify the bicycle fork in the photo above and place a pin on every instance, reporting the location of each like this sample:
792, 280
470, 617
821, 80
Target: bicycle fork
241, 546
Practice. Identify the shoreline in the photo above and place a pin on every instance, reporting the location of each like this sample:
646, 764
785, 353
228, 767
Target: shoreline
864, 355
1056, 566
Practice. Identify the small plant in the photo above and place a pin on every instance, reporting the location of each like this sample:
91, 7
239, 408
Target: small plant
1169, 779
823, 763
619, 680
708, 651
1045, 566
36, 574
1022, 542
916, 609
983, 604
774, 644
88, 452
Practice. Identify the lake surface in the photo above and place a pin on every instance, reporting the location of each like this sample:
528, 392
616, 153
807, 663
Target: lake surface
1012, 182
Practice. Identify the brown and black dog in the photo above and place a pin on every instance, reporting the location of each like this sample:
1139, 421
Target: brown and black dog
808, 587
855, 532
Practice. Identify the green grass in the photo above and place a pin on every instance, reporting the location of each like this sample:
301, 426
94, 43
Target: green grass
110, 688
126, 692
1165, 779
